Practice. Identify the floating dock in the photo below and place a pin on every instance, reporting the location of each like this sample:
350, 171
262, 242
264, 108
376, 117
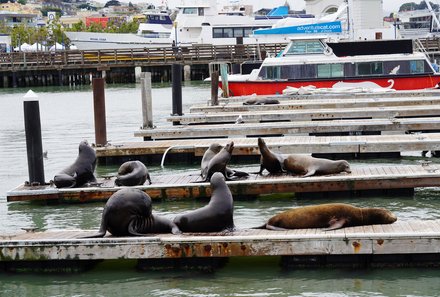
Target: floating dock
190, 186
179, 150
401, 242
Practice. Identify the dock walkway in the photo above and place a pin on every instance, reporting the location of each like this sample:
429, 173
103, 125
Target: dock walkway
415, 238
355, 144
190, 185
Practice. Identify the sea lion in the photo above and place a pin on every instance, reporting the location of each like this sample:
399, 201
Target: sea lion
214, 217
214, 149
272, 162
308, 165
330, 216
260, 101
128, 212
81, 171
132, 173
219, 161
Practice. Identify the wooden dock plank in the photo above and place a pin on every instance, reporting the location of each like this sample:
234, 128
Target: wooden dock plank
286, 144
376, 239
164, 188
308, 115
287, 103
288, 128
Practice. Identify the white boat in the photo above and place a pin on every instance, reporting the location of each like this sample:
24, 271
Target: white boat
154, 32
200, 22
422, 23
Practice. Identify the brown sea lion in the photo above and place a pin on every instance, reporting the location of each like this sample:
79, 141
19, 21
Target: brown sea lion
128, 212
308, 165
132, 173
330, 216
214, 149
81, 172
272, 162
214, 217
219, 162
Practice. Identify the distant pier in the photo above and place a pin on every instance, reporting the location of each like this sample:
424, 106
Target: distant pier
75, 67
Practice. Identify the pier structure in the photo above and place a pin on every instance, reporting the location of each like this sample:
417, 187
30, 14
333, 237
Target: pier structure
78, 67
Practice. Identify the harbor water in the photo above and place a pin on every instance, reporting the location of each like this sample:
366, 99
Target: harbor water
67, 118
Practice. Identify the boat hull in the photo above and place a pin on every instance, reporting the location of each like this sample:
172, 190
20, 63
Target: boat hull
267, 87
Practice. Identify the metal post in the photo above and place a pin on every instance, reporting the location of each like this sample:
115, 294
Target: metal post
176, 77
147, 104
99, 111
214, 88
33, 141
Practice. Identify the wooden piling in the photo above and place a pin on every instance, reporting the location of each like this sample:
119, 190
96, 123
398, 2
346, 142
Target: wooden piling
177, 90
99, 111
224, 75
147, 104
33, 141
214, 88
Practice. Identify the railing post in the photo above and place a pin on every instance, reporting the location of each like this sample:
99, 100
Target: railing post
99, 111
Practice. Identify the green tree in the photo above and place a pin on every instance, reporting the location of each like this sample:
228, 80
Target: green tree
22, 2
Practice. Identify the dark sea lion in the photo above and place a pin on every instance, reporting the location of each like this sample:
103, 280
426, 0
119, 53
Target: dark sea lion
330, 216
219, 162
260, 101
132, 173
214, 217
272, 162
308, 165
128, 212
81, 171
214, 149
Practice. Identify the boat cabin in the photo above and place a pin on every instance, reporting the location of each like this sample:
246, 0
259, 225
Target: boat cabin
315, 59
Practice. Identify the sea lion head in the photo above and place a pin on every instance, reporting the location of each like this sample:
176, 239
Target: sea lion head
378, 216
216, 179
229, 147
344, 166
261, 142
215, 147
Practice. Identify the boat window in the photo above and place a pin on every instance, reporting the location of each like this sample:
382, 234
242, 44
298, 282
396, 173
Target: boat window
270, 72
217, 32
298, 71
247, 32
330, 70
305, 47
190, 10
369, 68
228, 32
238, 32
396, 67
201, 11
417, 66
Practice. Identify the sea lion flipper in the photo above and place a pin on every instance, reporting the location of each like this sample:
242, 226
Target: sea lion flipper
336, 224
275, 228
309, 173
149, 178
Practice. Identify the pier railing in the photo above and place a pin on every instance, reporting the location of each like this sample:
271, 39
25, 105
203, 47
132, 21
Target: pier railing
74, 59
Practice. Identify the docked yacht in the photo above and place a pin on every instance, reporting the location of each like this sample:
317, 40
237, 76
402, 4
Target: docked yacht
154, 31
322, 64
